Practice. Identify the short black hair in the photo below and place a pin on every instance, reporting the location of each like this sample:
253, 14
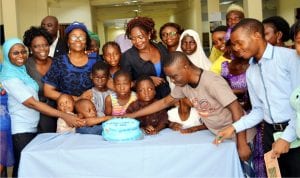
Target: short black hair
174, 57
296, 29
279, 24
171, 24
251, 25
122, 72
144, 78
221, 28
100, 65
111, 43
34, 32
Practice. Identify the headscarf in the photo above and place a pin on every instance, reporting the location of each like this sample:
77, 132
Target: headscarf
198, 58
10, 71
94, 36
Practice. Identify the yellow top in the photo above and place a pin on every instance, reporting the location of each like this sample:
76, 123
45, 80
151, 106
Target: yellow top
215, 54
217, 65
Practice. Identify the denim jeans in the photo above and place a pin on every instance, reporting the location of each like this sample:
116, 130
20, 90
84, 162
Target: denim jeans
96, 130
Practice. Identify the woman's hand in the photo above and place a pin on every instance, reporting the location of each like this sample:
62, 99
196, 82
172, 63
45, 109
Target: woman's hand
87, 95
73, 120
157, 80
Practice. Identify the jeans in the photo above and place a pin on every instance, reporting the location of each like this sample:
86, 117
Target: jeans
96, 130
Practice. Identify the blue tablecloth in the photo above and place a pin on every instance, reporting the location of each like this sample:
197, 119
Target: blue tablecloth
167, 155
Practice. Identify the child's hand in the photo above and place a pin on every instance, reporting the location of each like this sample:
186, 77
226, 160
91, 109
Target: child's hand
157, 80
150, 130
73, 120
87, 95
175, 126
186, 131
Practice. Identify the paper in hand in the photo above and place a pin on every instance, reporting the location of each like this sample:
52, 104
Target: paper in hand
272, 166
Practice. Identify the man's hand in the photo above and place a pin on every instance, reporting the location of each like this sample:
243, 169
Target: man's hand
279, 147
244, 152
225, 133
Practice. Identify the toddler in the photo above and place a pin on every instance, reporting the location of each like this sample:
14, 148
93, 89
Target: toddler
86, 109
152, 123
184, 118
112, 56
117, 103
65, 103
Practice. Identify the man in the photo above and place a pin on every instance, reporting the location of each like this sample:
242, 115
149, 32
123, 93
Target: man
209, 94
58, 46
271, 77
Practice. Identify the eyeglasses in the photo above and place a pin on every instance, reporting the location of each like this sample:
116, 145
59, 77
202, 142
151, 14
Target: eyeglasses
79, 38
170, 34
40, 46
16, 53
140, 37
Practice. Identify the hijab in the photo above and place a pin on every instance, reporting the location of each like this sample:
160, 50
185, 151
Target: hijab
10, 71
198, 58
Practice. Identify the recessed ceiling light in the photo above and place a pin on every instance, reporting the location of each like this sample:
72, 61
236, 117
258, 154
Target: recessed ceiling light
226, 2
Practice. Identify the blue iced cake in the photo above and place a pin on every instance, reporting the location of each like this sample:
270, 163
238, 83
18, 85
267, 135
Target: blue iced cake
121, 129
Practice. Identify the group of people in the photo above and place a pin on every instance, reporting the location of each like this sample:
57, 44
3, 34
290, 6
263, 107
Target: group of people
241, 89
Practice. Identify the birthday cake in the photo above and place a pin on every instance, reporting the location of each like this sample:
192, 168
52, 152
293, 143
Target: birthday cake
121, 129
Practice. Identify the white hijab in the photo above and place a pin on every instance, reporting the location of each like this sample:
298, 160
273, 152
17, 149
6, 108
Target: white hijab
198, 58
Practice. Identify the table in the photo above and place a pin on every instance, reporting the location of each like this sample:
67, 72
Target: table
169, 154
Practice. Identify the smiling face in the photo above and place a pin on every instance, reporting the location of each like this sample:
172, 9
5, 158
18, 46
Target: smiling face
178, 73
139, 38
145, 90
112, 56
18, 55
188, 45
218, 39
242, 43
40, 48
170, 36
77, 40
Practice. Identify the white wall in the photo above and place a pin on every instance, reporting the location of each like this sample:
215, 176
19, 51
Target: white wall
286, 9
30, 13
68, 11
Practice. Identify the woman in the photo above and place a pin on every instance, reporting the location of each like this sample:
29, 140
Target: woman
24, 107
70, 73
146, 57
38, 41
6, 146
190, 44
170, 33
277, 30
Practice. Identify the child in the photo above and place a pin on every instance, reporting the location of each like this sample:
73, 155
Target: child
112, 56
99, 76
117, 103
184, 118
86, 109
65, 103
153, 123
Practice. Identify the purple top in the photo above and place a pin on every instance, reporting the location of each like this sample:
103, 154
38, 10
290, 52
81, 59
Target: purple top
236, 82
